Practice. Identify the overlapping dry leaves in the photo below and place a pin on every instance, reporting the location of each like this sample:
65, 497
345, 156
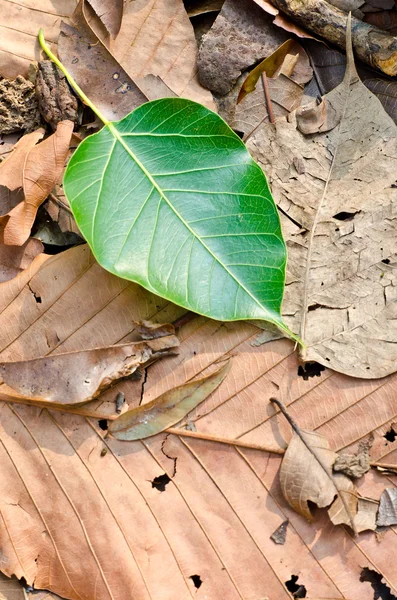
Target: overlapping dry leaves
85, 515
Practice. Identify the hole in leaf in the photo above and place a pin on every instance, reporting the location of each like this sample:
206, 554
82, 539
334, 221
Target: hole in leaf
239, 133
381, 590
386, 261
310, 369
390, 435
297, 590
196, 580
345, 216
160, 482
103, 424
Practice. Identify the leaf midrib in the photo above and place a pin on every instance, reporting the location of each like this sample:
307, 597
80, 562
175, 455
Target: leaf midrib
113, 130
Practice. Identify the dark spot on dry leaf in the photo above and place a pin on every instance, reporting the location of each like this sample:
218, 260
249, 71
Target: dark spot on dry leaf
390, 435
297, 590
310, 369
103, 424
196, 580
386, 261
160, 482
345, 216
381, 590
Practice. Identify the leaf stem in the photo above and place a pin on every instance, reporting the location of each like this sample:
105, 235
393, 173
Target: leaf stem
70, 79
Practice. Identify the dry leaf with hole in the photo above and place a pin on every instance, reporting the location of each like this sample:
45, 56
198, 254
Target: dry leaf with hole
337, 196
35, 168
166, 410
114, 92
53, 478
75, 378
18, 43
157, 38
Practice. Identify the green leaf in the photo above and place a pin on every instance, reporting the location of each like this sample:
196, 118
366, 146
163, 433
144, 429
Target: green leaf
166, 410
170, 198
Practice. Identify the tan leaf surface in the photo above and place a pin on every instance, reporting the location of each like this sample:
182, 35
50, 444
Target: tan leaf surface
337, 193
36, 168
306, 475
19, 24
110, 12
106, 528
157, 38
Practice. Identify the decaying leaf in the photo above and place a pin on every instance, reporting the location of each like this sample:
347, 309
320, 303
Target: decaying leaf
75, 378
36, 169
337, 194
387, 514
157, 38
18, 43
269, 65
166, 410
306, 475
84, 56
216, 515
110, 12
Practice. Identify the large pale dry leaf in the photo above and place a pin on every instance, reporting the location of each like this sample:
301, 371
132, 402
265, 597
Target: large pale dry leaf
221, 505
84, 56
306, 475
19, 24
75, 378
157, 38
166, 410
337, 193
37, 168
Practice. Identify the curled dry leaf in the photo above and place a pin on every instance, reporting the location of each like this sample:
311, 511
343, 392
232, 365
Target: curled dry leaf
36, 169
75, 378
337, 194
166, 410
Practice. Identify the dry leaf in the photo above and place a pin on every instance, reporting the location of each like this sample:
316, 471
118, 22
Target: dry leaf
306, 475
110, 12
280, 535
337, 194
166, 410
199, 7
14, 259
365, 519
388, 508
84, 56
156, 37
282, 21
18, 43
216, 515
75, 378
37, 168
12, 589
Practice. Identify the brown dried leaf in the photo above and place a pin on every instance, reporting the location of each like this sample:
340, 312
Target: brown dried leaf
336, 192
18, 42
110, 12
306, 475
84, 56
75, 378
282, 21
388, 508
53, 478
166, 410
157, 38
14, 259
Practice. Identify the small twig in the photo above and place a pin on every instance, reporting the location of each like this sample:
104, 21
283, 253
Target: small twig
59, 202
386, 466
219, 440
186, 318
269, 105
318, 458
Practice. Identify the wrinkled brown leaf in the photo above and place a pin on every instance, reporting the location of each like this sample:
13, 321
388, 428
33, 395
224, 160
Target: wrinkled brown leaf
110, 12
157, 38
166, 410
39, 168
54, 479
388, 508
336, 192
304, 479
84, 56
75, 378
19, 24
